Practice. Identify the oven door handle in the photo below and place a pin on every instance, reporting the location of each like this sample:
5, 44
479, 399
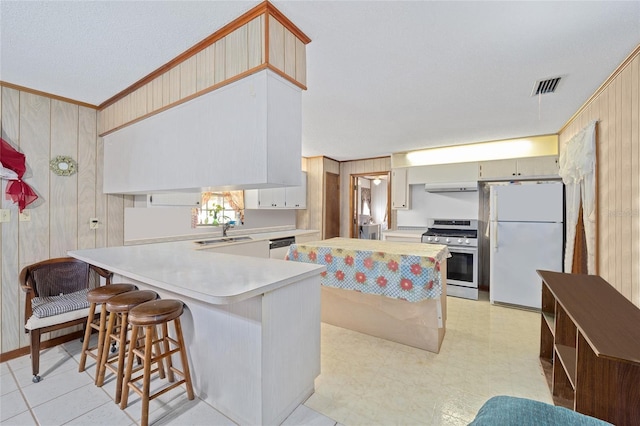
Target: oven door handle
463, 250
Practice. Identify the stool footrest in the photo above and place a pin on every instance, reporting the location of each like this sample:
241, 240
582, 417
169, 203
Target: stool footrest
164, 390
140, 353
138, 369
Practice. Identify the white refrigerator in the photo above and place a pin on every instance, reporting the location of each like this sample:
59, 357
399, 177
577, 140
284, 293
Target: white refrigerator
526, 233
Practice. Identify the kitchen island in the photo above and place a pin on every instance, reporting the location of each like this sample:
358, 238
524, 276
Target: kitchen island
392, 290
251, 325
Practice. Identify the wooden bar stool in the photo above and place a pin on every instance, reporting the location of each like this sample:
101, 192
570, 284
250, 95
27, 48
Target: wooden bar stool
147, 316
119, 307
98, 297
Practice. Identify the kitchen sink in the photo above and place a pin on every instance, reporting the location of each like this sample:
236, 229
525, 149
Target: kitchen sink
223, 240
232, 239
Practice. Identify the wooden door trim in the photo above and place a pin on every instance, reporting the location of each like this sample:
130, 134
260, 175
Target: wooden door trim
323, 231
352, 178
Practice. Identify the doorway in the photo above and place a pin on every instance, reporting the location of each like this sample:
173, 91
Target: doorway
369, 204
331, 205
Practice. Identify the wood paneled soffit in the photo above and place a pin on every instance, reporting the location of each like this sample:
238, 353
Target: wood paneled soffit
261, 38
46, 95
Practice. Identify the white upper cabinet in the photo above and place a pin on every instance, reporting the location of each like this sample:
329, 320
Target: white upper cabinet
289, 197
546, 166
272, 197
296, 196
539, 166
439, 173
399, 189
246, 134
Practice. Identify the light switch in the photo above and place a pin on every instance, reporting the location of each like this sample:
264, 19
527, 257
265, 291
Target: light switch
94, 223
5, 215
25, 216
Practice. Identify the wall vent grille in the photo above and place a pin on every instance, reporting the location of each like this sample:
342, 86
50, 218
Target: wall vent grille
542, 87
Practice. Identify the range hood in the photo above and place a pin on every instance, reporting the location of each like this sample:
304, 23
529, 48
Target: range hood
451, 186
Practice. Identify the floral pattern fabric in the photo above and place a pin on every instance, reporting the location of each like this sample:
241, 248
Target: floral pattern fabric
384, 268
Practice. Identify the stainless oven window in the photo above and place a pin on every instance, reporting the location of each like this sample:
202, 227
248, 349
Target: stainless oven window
461, 267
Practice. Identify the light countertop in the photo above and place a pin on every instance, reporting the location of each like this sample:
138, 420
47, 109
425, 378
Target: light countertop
436, 251
204, 275
411, 233
258, 234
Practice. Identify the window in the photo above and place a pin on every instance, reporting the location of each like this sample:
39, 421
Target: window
220, 208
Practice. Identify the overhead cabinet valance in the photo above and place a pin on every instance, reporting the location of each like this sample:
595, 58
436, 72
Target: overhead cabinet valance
244, 135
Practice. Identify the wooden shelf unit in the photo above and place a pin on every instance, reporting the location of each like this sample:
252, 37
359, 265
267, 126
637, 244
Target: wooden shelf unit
590, 347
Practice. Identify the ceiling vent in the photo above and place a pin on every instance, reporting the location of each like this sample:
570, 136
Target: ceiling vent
542, 87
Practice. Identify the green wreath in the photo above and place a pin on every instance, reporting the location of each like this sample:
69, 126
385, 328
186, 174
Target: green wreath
63, 165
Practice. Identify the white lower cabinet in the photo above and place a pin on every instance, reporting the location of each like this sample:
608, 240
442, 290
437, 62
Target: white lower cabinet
289, 197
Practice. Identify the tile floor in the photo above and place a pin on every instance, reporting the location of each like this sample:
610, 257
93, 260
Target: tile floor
488, 350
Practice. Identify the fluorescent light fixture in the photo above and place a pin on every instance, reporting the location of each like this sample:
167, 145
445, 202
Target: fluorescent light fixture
485, 151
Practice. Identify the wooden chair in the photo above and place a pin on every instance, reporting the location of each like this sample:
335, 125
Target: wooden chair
56, 298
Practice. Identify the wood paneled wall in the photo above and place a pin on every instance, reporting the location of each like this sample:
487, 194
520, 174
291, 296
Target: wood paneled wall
616, 107
42, 128
314, 215
347, 168
261, 38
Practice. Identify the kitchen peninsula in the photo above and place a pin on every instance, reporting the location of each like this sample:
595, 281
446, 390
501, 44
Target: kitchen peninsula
251, 325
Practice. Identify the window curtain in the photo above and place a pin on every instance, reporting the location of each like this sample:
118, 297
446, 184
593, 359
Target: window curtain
379, 202
577, 169
236, 201
365, 197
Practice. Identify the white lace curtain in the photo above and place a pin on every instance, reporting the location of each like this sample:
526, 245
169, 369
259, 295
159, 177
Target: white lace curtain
577, 169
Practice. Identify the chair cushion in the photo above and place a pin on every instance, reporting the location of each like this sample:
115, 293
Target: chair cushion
34, 322
55, 305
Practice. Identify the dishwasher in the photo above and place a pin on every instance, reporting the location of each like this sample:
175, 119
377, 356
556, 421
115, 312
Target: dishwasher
278, 247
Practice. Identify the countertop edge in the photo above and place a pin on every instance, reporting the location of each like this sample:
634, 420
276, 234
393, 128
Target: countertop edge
308, 270
258, 235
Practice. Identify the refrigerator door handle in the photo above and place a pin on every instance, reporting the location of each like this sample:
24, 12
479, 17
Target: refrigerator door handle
494, 210
494, 238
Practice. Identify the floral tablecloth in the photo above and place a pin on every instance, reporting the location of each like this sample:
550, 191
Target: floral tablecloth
407, 271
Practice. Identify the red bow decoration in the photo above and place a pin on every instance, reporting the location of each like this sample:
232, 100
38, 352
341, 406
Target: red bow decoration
18, 191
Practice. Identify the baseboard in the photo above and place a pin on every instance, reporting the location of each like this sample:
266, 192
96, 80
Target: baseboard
16, 353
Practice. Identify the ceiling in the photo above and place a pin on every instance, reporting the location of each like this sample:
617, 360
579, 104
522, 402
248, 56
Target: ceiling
383, 76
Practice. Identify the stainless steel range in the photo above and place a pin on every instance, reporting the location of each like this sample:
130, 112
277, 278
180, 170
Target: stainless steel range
461, 237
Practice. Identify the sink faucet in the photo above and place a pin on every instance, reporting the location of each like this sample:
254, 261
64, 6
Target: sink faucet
225, 228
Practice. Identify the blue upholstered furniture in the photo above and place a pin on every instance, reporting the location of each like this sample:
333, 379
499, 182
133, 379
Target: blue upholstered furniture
512, 411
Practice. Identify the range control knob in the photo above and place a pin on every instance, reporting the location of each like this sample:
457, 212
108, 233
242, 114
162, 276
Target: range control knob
448, 240
460, 241
436, 239
428, 239
467, 241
